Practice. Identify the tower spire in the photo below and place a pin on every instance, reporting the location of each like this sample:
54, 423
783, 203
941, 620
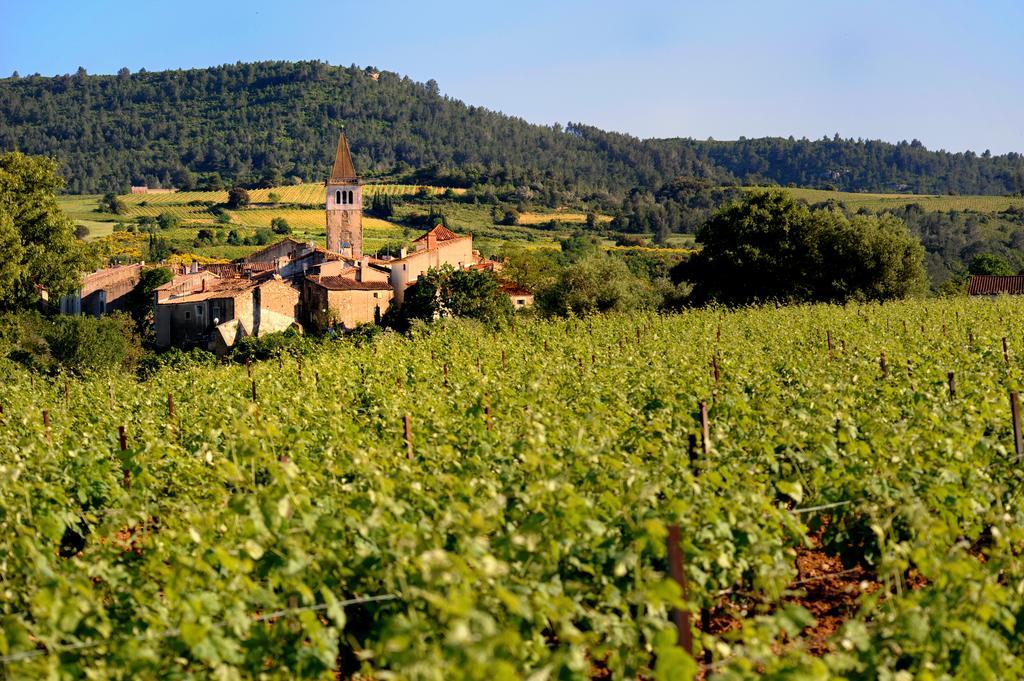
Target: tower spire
343, 172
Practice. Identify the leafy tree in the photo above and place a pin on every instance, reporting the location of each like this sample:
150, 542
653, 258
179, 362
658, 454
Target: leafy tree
81, 231
510, 216
579, 246
274, 198
112, 203
769, 247
597, 283
530, 269
447, 292
140, 300
280, 226
987, 263
85, 344
238, 198
157, 249
37, 239
168, 220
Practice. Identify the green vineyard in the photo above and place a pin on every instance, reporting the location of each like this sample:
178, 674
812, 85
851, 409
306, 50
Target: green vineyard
877, 202
474, 504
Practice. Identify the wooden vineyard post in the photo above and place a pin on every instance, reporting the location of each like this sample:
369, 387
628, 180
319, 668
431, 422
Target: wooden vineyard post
705, 428
446, 374
502, 360
884, 364
1018, 443
254, 390
691, 446
714, 367
46, 424
122, 441
638, 335
828, 340
1006, 352
408, 436
248, 367
170, 406
952, 385
705, 626
67, 392
681, 618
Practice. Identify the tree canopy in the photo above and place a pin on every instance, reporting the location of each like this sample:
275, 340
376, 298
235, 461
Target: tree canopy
38, 248
446, 292
258, 124
769, 247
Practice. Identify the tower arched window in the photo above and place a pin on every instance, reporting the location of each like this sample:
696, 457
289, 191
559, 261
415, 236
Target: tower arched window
350, 197
337, 197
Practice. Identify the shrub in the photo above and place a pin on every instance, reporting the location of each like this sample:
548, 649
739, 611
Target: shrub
76, 344
238, 198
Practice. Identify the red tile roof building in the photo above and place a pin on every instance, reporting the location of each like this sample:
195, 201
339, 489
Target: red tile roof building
990, 285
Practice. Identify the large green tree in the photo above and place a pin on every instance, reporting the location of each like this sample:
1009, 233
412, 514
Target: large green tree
597, 283
770, 247
447, 292
38, 250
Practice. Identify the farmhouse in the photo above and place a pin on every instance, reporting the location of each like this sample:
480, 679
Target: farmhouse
990, 285
102, 292
222, 311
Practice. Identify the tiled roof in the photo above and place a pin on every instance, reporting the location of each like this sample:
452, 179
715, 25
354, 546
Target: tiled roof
184, 280
337, 283
225, 288
511, 289
236, 269
988, 285
343, 172
288, 239
441, 233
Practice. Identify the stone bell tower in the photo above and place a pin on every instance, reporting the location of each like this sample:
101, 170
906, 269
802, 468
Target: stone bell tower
344, 205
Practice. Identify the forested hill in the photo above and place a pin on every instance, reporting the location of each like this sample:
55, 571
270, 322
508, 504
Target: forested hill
271, 122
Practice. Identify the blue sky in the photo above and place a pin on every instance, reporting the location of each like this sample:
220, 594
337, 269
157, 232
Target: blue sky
948, 73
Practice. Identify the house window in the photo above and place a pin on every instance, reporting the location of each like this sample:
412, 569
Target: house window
199, 310
188, 315
520, 302
376, 295
216, 311
337, 197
